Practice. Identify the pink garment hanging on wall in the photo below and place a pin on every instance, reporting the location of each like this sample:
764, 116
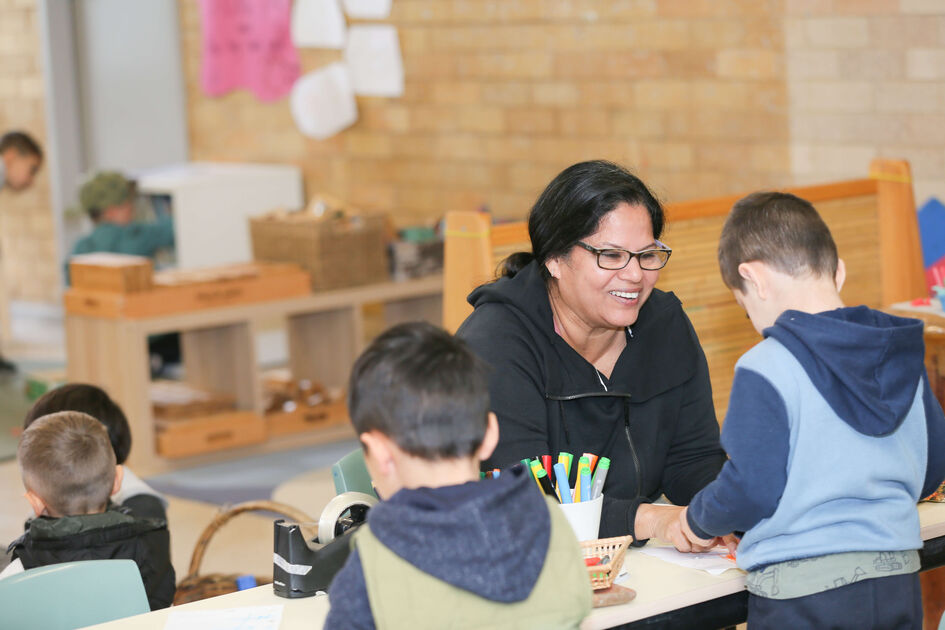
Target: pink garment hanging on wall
247, 43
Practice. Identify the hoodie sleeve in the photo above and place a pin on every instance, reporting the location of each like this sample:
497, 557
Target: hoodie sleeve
756, 436
514, 387
935, 421
350, 608
695, 456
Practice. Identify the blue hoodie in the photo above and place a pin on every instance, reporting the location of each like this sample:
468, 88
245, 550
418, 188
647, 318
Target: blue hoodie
487, 537
833, 435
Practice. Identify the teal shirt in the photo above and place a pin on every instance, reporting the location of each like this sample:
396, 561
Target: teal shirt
137, 239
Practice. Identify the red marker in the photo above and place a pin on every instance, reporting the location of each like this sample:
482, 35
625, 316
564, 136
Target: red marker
546, 464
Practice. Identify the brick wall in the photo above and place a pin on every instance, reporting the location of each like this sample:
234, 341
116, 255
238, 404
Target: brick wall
866, 78
501, 95
27, 234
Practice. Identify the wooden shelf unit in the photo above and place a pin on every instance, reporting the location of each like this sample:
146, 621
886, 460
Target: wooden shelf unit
325, 333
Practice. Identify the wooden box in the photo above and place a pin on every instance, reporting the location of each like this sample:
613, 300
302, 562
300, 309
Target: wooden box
116, 273
183, 291
305, 418
181, 438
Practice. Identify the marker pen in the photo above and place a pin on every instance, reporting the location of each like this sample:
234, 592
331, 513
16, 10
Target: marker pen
564, 458
534, 466
564, 491
585, 480
546, 486
592, 458
546, 464
495, 473
579, 494
603, 466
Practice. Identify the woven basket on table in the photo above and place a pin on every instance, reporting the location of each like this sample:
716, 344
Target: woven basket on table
195, 586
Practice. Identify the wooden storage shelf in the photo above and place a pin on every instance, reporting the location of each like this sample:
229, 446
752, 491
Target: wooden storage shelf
325, 332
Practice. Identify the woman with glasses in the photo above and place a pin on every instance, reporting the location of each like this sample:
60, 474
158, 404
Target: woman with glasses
588, 356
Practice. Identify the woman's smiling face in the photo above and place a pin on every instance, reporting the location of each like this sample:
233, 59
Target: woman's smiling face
602, 298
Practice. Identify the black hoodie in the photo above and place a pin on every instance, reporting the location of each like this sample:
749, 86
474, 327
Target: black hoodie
655, 421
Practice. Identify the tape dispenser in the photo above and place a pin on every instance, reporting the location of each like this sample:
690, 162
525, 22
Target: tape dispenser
307, 556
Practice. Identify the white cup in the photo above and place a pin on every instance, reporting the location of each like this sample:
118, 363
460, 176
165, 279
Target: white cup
584, 517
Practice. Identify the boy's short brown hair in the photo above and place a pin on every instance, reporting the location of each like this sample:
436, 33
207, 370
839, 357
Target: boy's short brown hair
780, 230
66, 459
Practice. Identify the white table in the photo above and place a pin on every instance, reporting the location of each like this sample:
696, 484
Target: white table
661, 587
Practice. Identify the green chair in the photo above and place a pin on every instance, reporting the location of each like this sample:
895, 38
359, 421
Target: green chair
72, 595
350, 474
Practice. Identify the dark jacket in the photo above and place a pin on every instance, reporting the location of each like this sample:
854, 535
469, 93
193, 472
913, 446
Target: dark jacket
113, 534
656, 422
487, 537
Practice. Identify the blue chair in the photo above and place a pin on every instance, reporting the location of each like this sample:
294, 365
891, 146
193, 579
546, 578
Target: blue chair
72, 595
350, 474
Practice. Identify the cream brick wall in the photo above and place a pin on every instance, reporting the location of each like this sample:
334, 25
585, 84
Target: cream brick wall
866, 80
500, 96
27, 236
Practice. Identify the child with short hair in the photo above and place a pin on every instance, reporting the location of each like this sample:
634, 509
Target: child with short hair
20, 159
832, 432
443, 549
133, 493
69, 471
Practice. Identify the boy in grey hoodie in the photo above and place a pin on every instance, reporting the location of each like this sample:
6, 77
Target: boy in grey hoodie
832, 432
444, 549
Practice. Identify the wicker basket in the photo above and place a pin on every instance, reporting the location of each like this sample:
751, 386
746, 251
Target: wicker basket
195, 586
338, 249
610, 551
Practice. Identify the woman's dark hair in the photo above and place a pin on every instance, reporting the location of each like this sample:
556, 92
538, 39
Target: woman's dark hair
90, 400
572, 206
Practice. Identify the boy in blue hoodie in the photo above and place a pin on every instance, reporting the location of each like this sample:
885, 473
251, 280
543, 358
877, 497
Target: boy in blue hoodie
832, 432
444, 549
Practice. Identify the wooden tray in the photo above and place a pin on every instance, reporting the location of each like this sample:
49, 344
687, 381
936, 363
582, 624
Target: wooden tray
180, 292
181, 438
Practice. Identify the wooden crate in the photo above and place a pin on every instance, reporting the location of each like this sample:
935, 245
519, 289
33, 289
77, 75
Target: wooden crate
179, 292
305, 418
113, 273
181, 438
338, 249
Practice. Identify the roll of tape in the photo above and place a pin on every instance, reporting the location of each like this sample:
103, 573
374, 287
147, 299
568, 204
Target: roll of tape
336, 508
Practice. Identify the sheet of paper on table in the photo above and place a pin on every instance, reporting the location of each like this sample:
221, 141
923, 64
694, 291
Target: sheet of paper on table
242, 618
715, 561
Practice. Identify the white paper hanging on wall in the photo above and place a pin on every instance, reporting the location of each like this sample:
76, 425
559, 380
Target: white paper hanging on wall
373, 57
318, 24
368, 9
322, 102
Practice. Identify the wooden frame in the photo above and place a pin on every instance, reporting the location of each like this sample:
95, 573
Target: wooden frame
873, 221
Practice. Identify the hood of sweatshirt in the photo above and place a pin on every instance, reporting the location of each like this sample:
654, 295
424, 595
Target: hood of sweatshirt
864, 362
665, 349
489, 537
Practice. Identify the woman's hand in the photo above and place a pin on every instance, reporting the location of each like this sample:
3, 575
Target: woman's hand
666, 523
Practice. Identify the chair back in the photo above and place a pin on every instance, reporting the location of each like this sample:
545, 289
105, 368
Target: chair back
473, 250
72, 595
350, 474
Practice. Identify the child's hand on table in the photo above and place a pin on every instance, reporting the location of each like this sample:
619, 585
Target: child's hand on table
698, 544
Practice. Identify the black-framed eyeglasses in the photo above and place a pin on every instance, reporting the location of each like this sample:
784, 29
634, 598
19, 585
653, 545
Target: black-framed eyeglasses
614, 259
